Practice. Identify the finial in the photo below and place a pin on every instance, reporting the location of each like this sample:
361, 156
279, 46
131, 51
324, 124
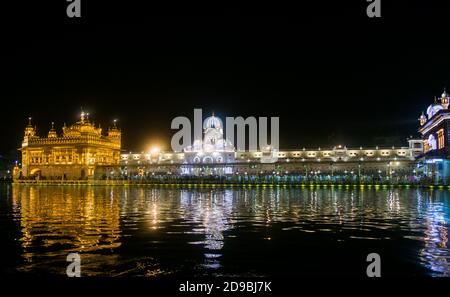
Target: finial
422, 119
83, 114
435, 100
213, 113
29, 121
53, 125
115, 122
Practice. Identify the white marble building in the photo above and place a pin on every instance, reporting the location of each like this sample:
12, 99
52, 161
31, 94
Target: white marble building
216, 155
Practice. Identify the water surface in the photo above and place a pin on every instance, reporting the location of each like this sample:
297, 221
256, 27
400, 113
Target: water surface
266, 231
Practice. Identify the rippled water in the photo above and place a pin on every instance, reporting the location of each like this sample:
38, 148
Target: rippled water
273, 231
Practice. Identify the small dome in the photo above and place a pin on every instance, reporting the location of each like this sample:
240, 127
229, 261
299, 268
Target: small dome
433, 109
208, 147
52, 132
422, 119
212, 122
224, 145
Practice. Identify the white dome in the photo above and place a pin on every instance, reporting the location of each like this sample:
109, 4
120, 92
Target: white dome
213, 140
433, 109
212, 122
197, 145
224, 145
208, 147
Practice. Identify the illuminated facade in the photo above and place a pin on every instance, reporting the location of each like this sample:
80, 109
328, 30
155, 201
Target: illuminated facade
435, 129
83, 152
215, 155
334, 160
78, 153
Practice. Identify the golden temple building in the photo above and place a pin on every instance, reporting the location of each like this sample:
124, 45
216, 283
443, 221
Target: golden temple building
81, 152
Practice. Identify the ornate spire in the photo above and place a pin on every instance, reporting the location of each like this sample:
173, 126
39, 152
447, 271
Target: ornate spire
445, 100
114, 132
422, 119
82, 116
30, 130
444, 95
52, 132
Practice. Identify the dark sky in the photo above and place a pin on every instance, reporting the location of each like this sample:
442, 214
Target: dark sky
330, 73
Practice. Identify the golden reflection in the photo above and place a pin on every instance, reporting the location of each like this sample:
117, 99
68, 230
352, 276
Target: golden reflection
156, 222
56, 221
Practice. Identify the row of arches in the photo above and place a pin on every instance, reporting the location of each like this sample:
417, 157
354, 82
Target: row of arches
208, 160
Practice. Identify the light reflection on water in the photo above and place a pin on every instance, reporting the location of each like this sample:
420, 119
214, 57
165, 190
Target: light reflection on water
158, 231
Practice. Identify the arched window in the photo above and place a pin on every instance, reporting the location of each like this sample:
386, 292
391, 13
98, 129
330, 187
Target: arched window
432, 142
207, 159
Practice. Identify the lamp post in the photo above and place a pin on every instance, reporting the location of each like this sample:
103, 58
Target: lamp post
389, 170
154, 153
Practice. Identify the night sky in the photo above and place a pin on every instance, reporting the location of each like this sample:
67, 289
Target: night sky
331, 74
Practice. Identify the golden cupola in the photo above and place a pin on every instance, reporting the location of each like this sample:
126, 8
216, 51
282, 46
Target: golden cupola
52, 132
82, 127
30, 131
114, 133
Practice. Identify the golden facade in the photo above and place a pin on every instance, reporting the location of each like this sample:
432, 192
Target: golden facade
78, 153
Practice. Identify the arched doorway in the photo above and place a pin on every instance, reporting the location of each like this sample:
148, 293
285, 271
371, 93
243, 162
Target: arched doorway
36, 173
207, 160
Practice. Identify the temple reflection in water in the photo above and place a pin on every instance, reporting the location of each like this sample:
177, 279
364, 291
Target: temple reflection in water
162, 230
58, 221
435, 251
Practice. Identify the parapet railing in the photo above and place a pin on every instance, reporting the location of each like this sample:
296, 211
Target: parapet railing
230, 182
